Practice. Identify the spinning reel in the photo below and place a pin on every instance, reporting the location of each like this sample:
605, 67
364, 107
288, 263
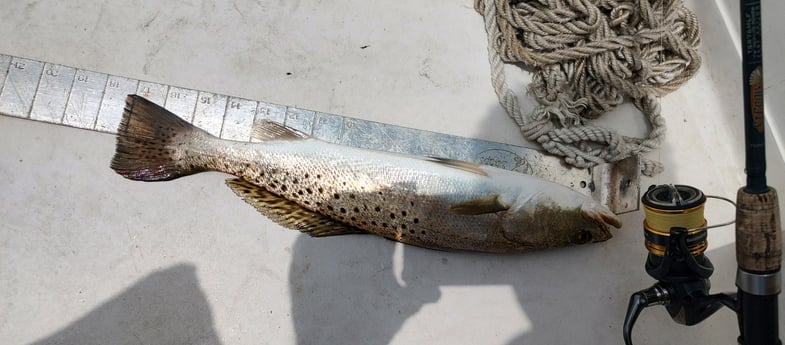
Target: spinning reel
675, 234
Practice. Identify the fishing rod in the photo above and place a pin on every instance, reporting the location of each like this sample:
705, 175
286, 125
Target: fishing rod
758, 234
675, 230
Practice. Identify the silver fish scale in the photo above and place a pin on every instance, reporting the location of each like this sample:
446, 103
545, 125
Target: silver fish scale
381, 194
89, 100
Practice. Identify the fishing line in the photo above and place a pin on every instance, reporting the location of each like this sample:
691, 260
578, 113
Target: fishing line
677, 206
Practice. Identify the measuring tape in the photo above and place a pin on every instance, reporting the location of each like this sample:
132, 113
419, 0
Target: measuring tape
74, 97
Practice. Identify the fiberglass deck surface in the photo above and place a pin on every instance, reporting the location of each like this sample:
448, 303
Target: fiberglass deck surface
87, 257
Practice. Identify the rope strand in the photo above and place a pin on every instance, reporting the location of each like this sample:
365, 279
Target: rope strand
588, 56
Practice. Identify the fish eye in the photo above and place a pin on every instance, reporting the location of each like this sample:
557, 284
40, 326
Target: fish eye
584, 237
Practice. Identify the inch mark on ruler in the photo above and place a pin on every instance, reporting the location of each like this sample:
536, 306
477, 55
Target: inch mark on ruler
52, 96
84, 100
21, 84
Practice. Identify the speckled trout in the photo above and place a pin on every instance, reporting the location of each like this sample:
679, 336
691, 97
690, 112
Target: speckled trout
324, 189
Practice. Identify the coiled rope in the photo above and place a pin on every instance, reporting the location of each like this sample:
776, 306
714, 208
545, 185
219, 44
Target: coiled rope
587, 56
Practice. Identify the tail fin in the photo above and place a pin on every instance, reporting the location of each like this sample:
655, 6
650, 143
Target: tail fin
150, 143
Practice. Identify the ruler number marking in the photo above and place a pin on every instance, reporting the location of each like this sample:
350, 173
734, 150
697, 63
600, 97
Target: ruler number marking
52, 95
20, 87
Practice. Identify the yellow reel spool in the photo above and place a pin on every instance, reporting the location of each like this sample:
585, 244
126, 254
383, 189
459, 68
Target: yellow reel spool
670, 206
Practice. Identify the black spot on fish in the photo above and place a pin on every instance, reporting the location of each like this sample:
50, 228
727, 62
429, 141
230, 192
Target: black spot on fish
283, 188
403, 213
392, 215
422, 232
356, 209
411, 232
306, 175
384, 225
329, 207
378, 209
351, 196
403, 226
320, 190
416, 220
343, 210
336, 196
309, 190
300, 192
585, 237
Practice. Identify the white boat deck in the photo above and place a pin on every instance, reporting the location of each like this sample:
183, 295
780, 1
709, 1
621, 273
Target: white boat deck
87, 257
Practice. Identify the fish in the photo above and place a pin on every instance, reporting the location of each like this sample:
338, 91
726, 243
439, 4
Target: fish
324, 189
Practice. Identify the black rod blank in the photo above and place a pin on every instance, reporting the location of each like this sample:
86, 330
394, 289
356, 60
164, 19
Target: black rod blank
752, 81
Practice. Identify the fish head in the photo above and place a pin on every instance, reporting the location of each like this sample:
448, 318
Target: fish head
597, 220
549, 224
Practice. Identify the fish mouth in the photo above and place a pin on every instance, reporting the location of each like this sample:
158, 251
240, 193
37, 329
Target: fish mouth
601, 215
610, 218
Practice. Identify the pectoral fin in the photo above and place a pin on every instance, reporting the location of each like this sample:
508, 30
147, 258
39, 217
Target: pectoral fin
288, 213
490, 204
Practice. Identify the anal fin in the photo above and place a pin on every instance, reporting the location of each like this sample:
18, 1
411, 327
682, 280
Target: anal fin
287, 213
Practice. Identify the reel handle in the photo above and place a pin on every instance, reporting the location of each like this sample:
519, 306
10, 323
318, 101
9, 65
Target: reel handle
655, 295
688, 303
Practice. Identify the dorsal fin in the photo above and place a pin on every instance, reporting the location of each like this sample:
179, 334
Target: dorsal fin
463, 165
268, 130
490, 204
288, 213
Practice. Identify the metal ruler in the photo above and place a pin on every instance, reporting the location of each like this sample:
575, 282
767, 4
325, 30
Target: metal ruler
90, 100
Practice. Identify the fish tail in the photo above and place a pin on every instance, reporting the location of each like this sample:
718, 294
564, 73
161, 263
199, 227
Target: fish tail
152, 143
